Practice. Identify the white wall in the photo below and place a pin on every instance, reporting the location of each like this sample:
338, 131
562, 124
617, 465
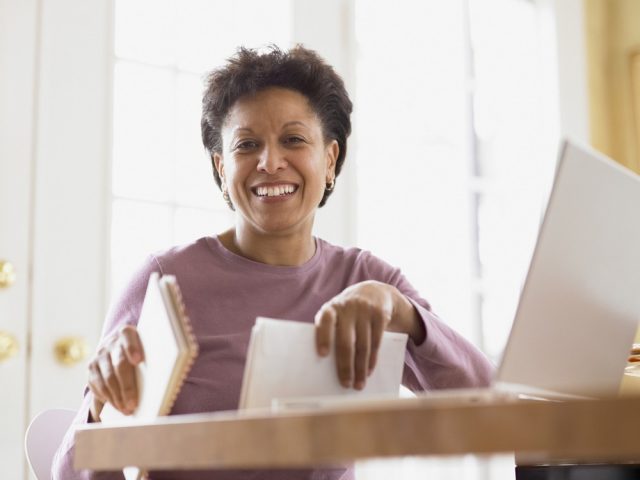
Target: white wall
570, 48
326, 27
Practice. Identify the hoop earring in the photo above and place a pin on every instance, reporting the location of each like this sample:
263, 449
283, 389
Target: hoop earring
330, 186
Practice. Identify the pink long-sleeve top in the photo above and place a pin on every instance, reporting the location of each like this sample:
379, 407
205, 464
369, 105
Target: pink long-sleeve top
225, 292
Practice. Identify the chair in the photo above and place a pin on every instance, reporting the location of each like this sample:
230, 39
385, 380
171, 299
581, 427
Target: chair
43, 438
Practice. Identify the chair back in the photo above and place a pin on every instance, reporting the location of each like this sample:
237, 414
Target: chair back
43, 438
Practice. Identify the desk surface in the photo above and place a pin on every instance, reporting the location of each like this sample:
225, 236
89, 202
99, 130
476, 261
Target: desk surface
576, 430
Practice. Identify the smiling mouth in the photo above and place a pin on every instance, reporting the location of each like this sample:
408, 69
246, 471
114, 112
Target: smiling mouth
275, 191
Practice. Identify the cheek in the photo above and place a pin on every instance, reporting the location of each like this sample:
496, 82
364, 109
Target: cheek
235, 171
315, 184
320, 172
315, 168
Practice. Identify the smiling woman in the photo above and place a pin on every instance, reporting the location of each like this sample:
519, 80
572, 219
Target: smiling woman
275, 125
275, 171
300, 70
276, 128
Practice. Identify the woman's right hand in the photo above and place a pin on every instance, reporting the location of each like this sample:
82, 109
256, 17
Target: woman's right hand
112, 373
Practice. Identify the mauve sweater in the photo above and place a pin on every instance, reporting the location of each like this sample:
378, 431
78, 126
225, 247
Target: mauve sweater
224, 293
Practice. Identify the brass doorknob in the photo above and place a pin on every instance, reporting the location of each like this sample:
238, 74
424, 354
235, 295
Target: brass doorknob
70, 350
8, 346
7, 274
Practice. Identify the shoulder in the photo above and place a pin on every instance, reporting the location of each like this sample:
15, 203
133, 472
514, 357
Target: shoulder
363, 264
177, 259
167, 260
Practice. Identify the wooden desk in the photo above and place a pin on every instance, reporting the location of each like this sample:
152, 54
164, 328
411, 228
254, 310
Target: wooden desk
578, 431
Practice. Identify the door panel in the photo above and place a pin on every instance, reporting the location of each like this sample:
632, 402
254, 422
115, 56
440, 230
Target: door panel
55, 59
71, 184
17, 27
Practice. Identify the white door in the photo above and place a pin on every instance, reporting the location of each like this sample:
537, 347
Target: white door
17, 27
54, 146
71, 186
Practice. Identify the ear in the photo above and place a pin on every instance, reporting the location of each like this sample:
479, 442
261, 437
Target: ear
219, 164
331, 152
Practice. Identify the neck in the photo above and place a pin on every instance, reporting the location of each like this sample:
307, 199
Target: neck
286, 249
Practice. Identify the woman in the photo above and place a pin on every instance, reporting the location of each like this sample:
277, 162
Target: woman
276, 127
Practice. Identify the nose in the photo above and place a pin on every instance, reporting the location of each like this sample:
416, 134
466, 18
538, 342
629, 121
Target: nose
271, 160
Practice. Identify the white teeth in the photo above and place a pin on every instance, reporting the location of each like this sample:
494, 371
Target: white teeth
275, 191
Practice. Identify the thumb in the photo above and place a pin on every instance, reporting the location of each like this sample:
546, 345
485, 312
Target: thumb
95, 409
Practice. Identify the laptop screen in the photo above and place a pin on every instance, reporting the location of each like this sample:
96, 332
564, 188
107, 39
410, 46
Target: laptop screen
580, 305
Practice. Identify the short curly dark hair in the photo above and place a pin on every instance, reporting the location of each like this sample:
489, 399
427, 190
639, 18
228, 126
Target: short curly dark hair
299, 69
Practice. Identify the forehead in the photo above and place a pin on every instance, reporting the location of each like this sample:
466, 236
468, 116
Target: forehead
273, 105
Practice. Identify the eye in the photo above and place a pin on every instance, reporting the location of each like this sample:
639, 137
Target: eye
294, 140
246, 145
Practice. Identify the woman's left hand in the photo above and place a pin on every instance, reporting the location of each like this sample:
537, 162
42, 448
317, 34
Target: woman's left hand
355, 319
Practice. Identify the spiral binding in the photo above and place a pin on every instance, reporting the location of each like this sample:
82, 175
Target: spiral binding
192, 343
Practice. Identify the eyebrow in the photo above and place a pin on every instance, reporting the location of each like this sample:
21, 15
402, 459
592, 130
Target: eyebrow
246, 129
295, 122
288, 124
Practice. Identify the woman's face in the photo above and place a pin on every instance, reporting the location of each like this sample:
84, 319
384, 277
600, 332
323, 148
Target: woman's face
275, 163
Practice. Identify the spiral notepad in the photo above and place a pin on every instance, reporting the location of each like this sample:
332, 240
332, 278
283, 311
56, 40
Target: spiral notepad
170, 348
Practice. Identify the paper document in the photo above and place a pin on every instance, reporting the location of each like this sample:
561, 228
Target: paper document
282, 363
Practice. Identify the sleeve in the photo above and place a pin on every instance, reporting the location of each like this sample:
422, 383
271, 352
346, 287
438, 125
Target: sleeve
445, 359
124, 311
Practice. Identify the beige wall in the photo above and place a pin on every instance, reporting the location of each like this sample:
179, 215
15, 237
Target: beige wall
613, 59
613, 38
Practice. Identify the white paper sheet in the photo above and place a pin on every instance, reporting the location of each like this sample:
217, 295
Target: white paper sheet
282, 363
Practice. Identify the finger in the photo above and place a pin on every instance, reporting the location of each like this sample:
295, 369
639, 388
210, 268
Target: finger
345, 348
96, 383
95, 409
130, 340
111, 381
126, 374
377, 329
325, 324
362, 352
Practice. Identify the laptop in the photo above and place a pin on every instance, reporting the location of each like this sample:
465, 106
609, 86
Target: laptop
579, 308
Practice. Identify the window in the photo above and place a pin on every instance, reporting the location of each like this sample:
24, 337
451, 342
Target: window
163, 191
513, 156
456, 148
